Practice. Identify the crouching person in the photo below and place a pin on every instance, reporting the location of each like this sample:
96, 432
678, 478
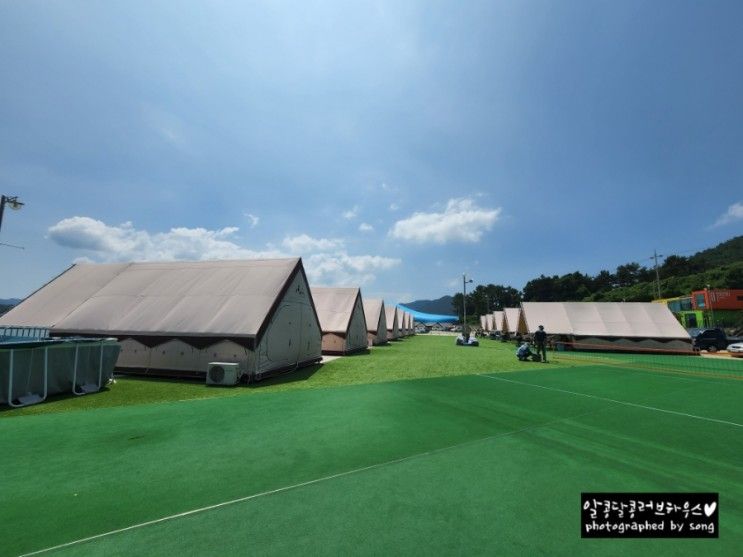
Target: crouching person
523, 353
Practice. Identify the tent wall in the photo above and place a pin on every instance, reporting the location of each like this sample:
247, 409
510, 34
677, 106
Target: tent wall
376, 322
293, 336
630, 344
333, 343
227, 351
176, 357
356, 336
393, 325
498, 321
513, 322
133, 355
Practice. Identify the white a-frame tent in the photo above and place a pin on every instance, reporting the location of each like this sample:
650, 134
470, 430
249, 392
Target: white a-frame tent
393, 322
513, 322
174, 318
498, 321
609, 325
342, 319
376, 321
408, 320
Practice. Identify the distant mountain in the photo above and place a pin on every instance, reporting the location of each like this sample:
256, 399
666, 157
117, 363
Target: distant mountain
442, 306
722, 254
6, 304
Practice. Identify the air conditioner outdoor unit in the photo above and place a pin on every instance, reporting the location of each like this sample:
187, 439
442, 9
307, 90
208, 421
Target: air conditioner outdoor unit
223, 373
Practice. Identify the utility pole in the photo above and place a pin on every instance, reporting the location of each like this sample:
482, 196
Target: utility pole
656, 255
464, 306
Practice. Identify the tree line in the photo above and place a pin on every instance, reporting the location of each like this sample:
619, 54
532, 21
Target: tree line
718, 267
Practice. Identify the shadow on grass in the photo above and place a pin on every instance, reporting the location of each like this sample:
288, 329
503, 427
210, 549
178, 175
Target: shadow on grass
301, 374
364, 352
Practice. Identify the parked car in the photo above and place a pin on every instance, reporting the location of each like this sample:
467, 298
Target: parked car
736, 349
712, 340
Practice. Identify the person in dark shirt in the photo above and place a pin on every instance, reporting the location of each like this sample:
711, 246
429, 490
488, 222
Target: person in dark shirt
540, 340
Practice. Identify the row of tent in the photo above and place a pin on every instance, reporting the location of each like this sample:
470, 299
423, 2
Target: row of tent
607, 324
177, 317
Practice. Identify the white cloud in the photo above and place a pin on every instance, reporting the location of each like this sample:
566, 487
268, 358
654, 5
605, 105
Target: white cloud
254, 220
351, 213
325, 260
461, 221
366, 227
394, 206
734, 213
126, 243
341, 269
303, 243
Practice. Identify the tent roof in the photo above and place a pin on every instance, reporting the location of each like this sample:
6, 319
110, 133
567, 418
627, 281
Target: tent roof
612, 319
334, 307
372, 310
183, 298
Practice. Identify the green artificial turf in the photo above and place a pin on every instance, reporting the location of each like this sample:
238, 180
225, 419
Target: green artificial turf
491, 464
410, 358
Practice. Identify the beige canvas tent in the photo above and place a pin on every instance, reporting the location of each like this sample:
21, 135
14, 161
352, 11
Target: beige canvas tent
483, 323
408, 323
393, 322
176, 317
610, 325
489, 322
498, 321
342, 319
513, 322
376, 321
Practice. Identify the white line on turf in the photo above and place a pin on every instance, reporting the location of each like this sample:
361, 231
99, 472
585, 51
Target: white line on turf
307, 483
624, 402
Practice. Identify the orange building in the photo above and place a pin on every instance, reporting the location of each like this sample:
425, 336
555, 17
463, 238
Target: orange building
717, 299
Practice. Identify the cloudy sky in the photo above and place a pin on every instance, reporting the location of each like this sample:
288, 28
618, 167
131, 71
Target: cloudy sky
393, 145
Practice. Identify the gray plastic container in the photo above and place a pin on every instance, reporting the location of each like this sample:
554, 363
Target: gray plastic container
31, 370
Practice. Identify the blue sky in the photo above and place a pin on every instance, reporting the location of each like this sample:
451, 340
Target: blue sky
394, 145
